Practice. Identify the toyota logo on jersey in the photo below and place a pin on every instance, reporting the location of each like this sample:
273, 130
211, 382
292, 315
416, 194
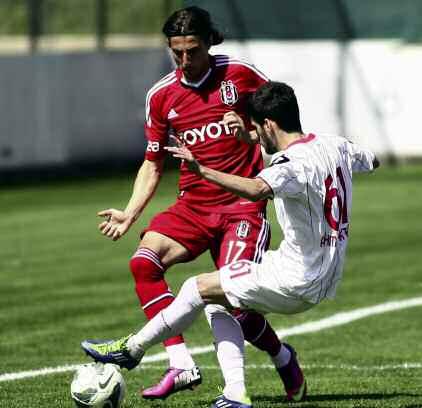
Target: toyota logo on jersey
211, 130
228, 93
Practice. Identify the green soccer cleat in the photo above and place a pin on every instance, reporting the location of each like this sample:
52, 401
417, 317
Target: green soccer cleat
222, 402
111, 351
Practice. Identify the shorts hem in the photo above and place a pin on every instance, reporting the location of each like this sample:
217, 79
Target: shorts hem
190, 257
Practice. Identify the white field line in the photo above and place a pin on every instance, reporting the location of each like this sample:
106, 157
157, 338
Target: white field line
385, 367
64, 369
337, 319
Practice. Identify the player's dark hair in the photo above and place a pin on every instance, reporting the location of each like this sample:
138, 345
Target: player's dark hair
192, 21
276, 101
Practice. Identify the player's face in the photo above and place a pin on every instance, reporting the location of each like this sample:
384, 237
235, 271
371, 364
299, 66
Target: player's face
266, 137
190, 53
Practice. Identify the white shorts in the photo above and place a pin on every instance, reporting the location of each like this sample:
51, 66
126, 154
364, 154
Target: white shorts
248, 285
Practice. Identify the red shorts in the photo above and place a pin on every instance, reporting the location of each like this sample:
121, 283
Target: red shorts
229, 237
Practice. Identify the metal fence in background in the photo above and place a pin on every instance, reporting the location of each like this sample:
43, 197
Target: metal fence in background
100, 18
313, 20
65, 107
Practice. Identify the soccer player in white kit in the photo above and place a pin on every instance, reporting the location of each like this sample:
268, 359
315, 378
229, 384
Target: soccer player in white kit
310, 180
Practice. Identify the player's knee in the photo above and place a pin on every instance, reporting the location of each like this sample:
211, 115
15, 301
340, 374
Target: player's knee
212, 310
189, 286
143, 270
204, 285
210, 289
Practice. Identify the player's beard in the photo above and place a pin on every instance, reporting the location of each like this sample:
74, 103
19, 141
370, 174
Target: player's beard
192, 74
195, 73
189, 75
267, 144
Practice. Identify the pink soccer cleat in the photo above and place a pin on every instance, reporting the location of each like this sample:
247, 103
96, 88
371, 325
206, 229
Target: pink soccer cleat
174, 380
292, 377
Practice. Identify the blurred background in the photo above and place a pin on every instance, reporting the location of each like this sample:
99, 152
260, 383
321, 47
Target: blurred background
73, 80
74, 73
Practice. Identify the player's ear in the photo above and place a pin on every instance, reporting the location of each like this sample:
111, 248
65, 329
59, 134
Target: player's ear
270, 125
267, 125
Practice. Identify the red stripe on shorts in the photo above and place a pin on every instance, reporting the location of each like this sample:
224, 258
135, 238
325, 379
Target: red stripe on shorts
236, 275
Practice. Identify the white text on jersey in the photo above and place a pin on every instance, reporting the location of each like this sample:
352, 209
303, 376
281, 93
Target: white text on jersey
211, 130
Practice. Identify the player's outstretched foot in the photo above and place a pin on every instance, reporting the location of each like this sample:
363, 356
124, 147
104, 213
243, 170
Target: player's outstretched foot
174, 380
111, 351
223, 402
292, 377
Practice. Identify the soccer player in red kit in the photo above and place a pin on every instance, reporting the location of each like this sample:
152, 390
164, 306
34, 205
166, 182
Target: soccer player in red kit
198, 102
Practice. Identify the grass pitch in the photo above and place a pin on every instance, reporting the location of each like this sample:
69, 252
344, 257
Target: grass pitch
61, 282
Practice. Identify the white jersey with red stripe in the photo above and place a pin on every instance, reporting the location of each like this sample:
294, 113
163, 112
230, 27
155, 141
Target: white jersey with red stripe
312, 185
194, 112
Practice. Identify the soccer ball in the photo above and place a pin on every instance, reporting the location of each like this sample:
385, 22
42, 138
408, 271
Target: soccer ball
98, 385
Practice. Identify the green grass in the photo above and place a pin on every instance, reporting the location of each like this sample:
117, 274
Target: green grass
61, 281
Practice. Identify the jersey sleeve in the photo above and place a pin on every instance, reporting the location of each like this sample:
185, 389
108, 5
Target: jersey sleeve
156, 128
255, 78
362, 159
283, 178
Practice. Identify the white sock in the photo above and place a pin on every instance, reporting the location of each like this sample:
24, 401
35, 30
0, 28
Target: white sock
230, 345
171, 321
179, 357
283, 357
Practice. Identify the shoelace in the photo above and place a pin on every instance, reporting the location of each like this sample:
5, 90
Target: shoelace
115, 345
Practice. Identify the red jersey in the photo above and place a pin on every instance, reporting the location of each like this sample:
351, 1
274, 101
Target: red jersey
195, 114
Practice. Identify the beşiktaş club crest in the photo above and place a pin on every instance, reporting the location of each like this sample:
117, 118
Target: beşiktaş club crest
228, 93
243, 229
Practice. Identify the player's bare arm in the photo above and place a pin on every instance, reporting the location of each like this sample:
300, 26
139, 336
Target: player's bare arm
237, 125
252, 189
118, 222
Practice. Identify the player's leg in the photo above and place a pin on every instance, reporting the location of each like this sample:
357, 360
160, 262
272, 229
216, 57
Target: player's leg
229, 341
170, 321
195, 293
255, 286
155, 254
247, 237
229, 347
259, 332
171, 237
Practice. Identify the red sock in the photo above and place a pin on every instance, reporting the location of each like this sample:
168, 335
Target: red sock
257, 331
151, 288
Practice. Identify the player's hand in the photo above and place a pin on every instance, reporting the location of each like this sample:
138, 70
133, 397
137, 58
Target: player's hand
236, 125
180, 151
116, 223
